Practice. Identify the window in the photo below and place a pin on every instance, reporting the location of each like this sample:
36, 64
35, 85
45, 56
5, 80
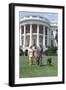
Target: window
27, 28
45, 30
27, 41
22, 29
57, 30
41, 29
34, 28
40, 40
22, 38
51, 32
46, 41
52, 43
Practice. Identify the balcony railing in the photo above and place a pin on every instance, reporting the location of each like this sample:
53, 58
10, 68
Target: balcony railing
34, 18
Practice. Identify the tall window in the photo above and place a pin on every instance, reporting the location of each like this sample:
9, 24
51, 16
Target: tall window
41, 29
27, 28
34, 28
22, 29
45, 30
51, 32
27, 40
46, 37
46, 41
22, 38
40, 40
57, 30
52, 43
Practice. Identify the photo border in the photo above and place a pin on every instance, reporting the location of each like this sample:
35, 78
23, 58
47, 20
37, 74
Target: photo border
12, 43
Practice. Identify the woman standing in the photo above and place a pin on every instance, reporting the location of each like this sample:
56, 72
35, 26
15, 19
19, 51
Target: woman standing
30, 55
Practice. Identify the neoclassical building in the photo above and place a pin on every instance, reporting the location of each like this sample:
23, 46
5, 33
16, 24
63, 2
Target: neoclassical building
39, 30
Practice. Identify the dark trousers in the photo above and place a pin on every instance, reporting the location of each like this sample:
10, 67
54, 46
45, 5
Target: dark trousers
39, 60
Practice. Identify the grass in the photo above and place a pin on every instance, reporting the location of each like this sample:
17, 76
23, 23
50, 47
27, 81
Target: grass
26, 70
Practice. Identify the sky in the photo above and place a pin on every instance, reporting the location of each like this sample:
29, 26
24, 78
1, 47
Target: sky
51, 16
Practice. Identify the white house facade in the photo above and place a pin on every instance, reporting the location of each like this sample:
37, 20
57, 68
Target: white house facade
39, 30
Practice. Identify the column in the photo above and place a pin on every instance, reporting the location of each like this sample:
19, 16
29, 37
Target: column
54, 35
44, 36
24, 37
37, 35
30, 35
20, 37
49, 37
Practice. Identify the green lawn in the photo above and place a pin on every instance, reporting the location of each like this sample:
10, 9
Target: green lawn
26, 70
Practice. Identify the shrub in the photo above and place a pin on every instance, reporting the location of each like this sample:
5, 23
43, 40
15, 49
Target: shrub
51, 51
26, 52
21, 52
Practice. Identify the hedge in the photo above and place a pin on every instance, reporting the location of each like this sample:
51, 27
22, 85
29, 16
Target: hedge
51, 51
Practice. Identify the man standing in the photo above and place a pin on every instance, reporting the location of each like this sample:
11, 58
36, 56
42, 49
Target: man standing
41, 52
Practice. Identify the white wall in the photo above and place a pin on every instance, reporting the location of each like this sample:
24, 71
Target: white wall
4, 44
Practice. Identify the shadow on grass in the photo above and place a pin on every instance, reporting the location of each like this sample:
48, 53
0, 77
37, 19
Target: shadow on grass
46, 65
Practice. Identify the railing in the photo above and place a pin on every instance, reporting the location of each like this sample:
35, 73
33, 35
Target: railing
35, 17
54, 24
28, 34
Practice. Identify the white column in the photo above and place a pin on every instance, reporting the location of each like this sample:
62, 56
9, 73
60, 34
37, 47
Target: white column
44, 36
37, 35
24, 37
30, 35
54, 35
20, 37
